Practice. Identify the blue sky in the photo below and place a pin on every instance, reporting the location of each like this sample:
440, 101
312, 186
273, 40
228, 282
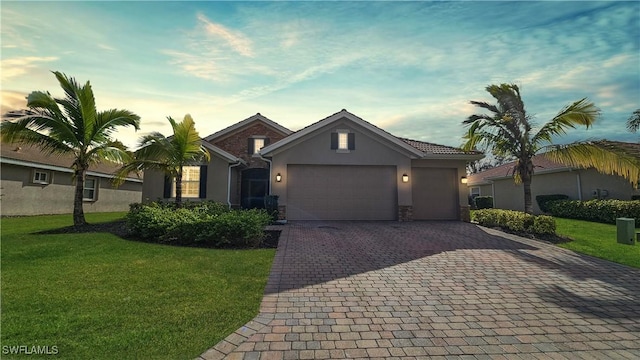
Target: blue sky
408, 67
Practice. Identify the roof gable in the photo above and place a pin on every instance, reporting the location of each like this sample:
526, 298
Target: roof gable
246, 123
221, 153
343, 114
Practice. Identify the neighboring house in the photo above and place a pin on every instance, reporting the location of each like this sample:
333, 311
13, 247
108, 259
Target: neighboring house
549, 178
33, 183
339, 168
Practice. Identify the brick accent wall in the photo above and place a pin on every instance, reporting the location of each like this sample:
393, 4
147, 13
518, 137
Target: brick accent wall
405, 213
465, 213
238, 145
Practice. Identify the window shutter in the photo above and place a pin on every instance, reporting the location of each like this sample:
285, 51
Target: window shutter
202, 194
352, 141
167, 187
334, 141
267, 141
250, 146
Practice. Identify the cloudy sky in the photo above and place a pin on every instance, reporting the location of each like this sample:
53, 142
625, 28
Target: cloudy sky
408, 67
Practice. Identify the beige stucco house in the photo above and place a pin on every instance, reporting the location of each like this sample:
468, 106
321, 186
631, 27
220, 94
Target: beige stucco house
549, 178
339, 168
33, 183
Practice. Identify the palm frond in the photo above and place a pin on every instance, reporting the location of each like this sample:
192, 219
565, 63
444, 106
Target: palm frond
605, 156
581, 112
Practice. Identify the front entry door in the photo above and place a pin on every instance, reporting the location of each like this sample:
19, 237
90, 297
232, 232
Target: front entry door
254, 187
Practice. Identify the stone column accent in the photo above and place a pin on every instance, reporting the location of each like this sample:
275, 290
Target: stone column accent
465, 213
405, 212
282, 212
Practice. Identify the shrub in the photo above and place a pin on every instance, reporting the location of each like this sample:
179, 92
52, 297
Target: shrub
635, 197
516, 221
484, 202
543, 200
207, 223
605, 211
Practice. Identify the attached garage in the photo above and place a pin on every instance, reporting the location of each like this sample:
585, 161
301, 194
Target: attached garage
341, 192
434, 194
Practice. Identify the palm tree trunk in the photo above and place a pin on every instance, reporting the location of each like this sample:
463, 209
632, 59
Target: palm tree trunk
78, 210
528, 204
179, 188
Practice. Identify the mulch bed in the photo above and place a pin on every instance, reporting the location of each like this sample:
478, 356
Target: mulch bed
119, 228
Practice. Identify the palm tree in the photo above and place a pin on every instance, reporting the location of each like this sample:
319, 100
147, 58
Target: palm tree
509, 131
633, 123
169, 154
70, 125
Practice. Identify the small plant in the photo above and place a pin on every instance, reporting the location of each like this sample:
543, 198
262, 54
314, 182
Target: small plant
484, 202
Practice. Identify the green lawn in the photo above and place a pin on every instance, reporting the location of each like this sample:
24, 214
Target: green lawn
97, 296
597, 240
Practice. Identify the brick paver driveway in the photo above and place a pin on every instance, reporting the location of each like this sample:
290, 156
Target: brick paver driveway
429, 289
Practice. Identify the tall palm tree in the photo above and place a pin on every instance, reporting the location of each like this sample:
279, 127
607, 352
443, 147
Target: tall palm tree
70, 125
169, 154
509, 131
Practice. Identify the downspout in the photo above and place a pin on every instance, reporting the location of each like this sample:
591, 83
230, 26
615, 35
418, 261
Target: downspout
270, 169
579, 185
493, 192
229, 183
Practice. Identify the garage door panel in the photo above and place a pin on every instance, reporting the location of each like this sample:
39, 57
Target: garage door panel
341, 192
434, 194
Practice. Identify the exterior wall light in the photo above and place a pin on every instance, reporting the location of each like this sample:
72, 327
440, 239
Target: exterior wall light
405, 178
463, 179
278, 177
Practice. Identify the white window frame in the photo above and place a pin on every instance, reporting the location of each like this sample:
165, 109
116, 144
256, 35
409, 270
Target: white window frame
187, 183
257, 148
96, 185
472, 193
343, 141
37, 177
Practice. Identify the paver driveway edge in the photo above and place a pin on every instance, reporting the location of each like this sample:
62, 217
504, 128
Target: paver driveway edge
267, 306
520, 326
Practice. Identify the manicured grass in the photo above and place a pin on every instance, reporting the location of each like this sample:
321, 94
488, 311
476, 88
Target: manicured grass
97, 296
597, 240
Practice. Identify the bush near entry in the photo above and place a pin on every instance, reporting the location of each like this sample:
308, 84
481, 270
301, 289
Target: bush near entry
207, 223
483, 202
516, 221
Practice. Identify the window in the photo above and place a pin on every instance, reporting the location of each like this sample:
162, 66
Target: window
257, 143
475, 191
343, 141
40, 177
190, 182
90, 189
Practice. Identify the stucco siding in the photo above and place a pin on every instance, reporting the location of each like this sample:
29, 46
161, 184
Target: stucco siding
20, 196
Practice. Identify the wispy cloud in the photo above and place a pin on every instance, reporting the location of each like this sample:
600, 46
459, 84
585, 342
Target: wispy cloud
14, 67
234, 39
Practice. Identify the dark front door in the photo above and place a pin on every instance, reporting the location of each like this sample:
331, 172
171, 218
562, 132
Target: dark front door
254, 187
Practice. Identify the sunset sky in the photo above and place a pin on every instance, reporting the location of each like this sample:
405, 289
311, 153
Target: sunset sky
408, 67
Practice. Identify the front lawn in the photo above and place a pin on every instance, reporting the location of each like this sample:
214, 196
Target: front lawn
97, 296
597, 239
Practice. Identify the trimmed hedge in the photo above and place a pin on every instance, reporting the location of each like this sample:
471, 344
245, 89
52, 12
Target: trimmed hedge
484, 202
516, 221
206, 223
604, 211
544, 200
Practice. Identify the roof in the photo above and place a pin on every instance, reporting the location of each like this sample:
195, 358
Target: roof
29, 155
247, 121
418, 149
432, 148
223, 154
543, 165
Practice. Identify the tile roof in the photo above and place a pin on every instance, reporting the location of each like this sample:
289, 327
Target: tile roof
437, 149
540, 164
33, 154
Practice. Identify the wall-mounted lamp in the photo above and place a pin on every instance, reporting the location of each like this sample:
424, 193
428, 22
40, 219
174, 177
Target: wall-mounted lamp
463, 179
405, 178
278, 177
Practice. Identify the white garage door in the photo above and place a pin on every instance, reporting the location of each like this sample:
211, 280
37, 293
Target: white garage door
341, 192
435, 194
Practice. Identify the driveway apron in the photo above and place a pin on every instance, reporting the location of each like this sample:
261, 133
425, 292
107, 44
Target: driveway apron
436, 289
